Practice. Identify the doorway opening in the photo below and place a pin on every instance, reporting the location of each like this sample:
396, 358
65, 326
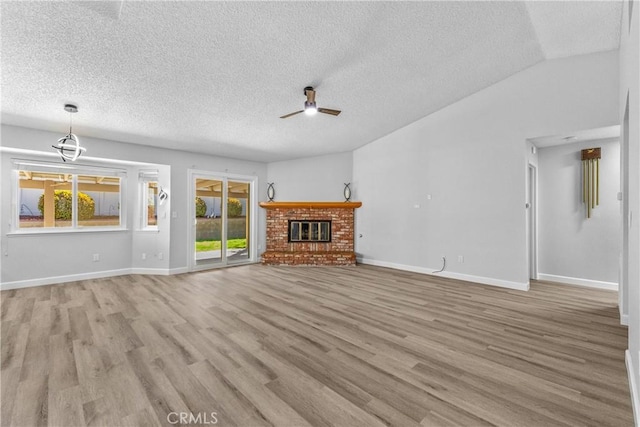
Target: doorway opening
568, 240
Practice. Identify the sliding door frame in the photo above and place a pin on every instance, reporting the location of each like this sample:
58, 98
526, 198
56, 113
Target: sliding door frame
252, 208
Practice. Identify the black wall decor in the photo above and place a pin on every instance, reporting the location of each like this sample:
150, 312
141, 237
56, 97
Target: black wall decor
347, 191
271, 192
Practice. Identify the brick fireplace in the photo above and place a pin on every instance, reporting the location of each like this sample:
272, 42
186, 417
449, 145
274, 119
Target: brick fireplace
308, 222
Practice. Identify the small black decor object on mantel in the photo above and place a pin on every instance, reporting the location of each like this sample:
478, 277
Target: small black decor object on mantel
271, 192
347, 191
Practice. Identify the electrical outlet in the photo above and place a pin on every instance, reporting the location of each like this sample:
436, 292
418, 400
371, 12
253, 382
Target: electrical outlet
160, 255
460, 258
144, 256
96, 257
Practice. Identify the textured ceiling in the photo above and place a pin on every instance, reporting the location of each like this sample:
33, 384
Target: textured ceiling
607, 132
214, 77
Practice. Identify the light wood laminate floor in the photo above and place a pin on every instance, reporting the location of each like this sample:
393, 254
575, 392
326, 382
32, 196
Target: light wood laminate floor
355, 346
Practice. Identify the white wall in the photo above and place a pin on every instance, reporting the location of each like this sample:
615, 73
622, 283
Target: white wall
319, 178
118, 250
630, 83
471, 158
572, 248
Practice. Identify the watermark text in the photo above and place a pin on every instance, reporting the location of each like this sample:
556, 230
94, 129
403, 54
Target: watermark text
191, 418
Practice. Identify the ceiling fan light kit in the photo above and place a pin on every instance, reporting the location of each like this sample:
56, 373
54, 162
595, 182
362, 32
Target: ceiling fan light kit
310, 107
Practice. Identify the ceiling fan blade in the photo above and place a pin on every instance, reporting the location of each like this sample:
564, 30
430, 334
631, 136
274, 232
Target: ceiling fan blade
329, 111
291, 114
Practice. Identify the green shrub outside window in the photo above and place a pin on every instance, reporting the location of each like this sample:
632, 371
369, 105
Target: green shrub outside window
63, 200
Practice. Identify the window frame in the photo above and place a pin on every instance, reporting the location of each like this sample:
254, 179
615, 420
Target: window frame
18, 165
144, 178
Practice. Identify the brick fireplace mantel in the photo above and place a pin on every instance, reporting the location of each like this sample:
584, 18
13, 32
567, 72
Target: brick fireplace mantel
339, 251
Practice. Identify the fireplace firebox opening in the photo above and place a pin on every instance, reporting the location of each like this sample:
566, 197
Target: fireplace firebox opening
304, 231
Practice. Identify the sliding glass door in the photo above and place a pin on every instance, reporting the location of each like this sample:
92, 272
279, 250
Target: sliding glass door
238, 220
222, 220
208, 220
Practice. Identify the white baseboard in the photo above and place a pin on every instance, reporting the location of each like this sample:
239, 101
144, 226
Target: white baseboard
18, 284
612, 286
624, 319
93, 275
178, 270
448, 274
86, 276
151, 271
633, 387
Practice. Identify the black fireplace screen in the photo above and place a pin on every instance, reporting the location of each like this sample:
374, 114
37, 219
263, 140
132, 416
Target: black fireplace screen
309, 231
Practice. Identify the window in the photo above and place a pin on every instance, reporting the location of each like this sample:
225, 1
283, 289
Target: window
62, 197
149, 199
103, 192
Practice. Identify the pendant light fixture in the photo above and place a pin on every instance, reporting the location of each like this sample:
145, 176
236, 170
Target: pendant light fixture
69, 145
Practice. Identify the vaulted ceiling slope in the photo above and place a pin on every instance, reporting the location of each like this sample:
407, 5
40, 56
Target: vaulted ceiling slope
214, 77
